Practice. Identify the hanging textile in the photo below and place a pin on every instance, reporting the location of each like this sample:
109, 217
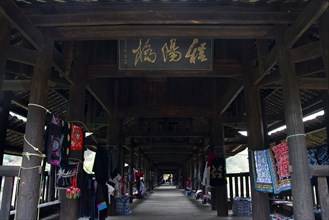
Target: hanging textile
218, 172
206, 175
261, 171
311, 157
211, 157
65, 142
322, 154
101, 165
53, 140
76, 138
279, 157
65, 175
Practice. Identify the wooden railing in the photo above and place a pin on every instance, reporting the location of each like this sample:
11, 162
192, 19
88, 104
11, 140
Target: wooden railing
322, 172
238, 185
9, 173
48, 197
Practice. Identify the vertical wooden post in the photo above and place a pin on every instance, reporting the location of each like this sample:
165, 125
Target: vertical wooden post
260, 200
30, 178
324, 39
324, 35
4, 101
300, 177
218, 141
76, 105
131, 169
7, 197
4, 43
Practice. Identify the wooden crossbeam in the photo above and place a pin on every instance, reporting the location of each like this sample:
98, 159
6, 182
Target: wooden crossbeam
14, 15
168, 111
304, 21
309, 15
306, 52
234, 87
156, 31
111, 71
98, 92
163, 15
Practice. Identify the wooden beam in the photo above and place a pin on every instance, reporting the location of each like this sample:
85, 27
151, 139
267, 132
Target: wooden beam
98, 92
91, 6
9, 171
137, 134
233, 89
168, 111
25, 85
22, 55
303, 83
319, 170
312, 83
14, 15
111, 71
269, 62
163, 14
156, 31
304, 21
306, 52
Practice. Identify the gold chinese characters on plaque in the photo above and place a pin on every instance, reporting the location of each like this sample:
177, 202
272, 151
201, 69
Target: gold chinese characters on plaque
165, 54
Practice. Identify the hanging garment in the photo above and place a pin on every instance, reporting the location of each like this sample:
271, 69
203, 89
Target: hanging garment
261, 171
65, 142
279, 157
211, 157
65, 175
76, 138
101, 165
206, 175
322, 154
218, 172
53, 140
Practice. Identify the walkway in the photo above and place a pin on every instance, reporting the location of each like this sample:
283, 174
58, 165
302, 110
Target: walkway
167, 202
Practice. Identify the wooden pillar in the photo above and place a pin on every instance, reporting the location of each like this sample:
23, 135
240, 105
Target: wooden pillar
324, 39
4, 101
300, 176
76, 105
218, 143
260, 200
28, 194
131, 169
4, 43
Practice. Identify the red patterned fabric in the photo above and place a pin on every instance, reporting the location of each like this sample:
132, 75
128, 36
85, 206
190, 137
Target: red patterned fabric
279, 157
76, 138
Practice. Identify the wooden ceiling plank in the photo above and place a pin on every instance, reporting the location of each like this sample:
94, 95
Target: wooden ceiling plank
304, 21
14, 15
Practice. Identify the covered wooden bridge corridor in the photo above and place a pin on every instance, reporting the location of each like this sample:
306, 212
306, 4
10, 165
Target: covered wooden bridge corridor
163, 87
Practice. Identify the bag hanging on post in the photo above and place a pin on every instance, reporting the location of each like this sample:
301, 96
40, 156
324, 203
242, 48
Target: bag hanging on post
73, 192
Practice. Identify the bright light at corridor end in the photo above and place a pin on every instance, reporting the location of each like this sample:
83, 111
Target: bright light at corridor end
307, 118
